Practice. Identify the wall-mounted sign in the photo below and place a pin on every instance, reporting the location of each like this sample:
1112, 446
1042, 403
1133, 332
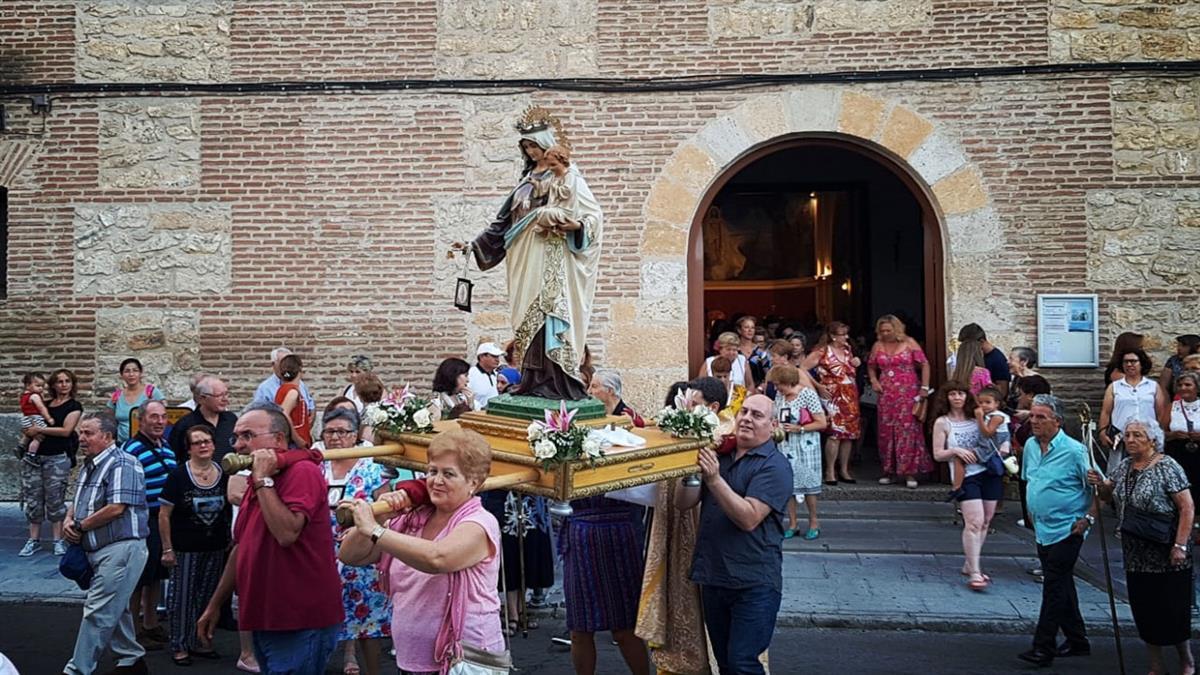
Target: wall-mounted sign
1068, 333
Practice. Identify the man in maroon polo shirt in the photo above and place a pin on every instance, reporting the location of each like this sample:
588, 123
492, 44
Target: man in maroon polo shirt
289, 590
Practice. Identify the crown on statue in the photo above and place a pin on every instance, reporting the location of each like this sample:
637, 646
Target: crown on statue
536, 118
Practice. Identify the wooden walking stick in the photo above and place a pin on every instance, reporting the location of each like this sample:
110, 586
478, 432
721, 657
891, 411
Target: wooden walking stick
1085, 419
344, 513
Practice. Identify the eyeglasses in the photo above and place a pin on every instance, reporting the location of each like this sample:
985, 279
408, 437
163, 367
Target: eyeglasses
1131, 362
202, 443
340, 433
247, 436
223, 394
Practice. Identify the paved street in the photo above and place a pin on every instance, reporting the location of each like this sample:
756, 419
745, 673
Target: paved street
880, 588
36, 638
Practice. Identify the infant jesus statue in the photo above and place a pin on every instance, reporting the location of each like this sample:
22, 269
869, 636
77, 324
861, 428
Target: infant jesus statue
554, 219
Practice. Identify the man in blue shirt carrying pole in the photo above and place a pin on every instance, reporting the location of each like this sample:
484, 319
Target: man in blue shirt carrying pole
1063, 509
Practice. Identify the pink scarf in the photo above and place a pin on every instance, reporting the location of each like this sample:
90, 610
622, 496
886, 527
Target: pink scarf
448, 647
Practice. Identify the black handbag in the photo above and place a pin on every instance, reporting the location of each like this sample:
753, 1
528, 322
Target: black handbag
1156, 528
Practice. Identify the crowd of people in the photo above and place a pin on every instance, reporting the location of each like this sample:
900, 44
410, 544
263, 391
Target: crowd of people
153, 505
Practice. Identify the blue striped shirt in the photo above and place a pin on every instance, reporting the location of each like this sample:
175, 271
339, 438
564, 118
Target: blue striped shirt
158, 461
112, 477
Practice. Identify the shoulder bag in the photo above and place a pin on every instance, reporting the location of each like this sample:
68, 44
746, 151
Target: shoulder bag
1156, 528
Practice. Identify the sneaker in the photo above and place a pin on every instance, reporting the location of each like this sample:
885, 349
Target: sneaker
885, 481
31, 546
60, 547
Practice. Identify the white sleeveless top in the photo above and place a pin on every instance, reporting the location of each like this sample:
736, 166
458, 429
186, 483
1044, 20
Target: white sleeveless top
1130, 402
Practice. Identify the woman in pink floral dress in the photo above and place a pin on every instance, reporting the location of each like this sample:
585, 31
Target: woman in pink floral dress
893, 369
836, 365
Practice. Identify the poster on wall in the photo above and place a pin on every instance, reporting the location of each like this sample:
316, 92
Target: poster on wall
1068, 334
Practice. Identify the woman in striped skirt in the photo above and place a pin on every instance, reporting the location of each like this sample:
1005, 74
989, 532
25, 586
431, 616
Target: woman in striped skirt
601, 547
194, 521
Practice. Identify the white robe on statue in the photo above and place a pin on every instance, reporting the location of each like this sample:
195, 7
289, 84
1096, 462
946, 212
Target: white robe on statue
551, 277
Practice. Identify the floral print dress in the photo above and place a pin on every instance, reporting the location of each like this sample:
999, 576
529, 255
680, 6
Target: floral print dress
368, 608
901, 440
837, 376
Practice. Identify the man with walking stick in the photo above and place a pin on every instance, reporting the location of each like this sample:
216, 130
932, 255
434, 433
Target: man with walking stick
1063, 509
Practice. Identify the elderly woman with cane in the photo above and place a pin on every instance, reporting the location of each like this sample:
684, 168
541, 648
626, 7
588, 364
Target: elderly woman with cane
1155, 510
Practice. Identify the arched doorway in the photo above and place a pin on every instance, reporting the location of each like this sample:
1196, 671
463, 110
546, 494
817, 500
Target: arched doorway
813, 227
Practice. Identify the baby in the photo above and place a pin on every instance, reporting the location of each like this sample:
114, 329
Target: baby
993, 435
550, 219
33, 412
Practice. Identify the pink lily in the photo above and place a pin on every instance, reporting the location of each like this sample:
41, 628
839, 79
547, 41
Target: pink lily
559, 421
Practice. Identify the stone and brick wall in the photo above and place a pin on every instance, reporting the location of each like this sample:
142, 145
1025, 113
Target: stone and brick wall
201, 231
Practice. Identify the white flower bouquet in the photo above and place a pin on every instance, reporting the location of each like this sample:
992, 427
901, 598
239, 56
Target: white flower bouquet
695, 422
557, 439
400, 412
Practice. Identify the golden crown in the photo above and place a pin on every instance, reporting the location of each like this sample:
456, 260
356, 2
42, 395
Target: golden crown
536, 118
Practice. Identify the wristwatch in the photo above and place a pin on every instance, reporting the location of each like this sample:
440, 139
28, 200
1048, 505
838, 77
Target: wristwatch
377, 533
1090, 518
267, 482
1182, 547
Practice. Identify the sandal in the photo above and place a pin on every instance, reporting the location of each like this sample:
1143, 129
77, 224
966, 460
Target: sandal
351, 668
812, 533
206, 654
979, 585
185, 660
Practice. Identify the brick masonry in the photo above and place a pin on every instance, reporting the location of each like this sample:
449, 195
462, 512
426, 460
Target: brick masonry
321, 221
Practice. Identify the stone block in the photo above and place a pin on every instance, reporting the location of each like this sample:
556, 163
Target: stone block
671, 202
491, 153
664, 278
149, 144
975, 232
149, 41
1143, 238
763, 118
813, 109
516, 38
861, 115
723, 140
904, 131
660, 238
167, 342
167, 249
879, 16
635, 346
938, 156
462, 218
691, 167
961, 192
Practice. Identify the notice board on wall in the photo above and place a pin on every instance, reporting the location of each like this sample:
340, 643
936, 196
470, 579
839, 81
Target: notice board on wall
1068, 331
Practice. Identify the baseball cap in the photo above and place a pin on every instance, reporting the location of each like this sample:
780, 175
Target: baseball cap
489, 348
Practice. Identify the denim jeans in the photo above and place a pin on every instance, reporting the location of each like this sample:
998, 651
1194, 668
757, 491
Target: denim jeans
740, 623
295, 652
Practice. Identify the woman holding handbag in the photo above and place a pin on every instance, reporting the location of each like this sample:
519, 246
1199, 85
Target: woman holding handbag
801, 419
441, 564
1155, 512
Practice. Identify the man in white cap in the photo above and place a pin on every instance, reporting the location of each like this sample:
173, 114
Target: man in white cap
482, 376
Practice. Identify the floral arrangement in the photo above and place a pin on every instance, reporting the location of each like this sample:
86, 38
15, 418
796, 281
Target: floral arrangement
682, 421
557, 439
400, 412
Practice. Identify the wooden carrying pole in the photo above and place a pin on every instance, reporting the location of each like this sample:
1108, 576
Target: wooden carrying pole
1085, 419
344, 513
232, 463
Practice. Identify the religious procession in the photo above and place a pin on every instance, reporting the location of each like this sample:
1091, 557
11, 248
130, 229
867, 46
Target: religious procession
683, 338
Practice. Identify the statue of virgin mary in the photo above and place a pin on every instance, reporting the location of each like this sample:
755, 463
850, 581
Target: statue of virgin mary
551, 272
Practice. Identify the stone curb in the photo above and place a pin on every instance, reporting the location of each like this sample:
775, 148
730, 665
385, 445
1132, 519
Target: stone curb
933, 624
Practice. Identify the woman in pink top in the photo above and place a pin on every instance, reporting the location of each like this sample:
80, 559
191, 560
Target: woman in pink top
441, 561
